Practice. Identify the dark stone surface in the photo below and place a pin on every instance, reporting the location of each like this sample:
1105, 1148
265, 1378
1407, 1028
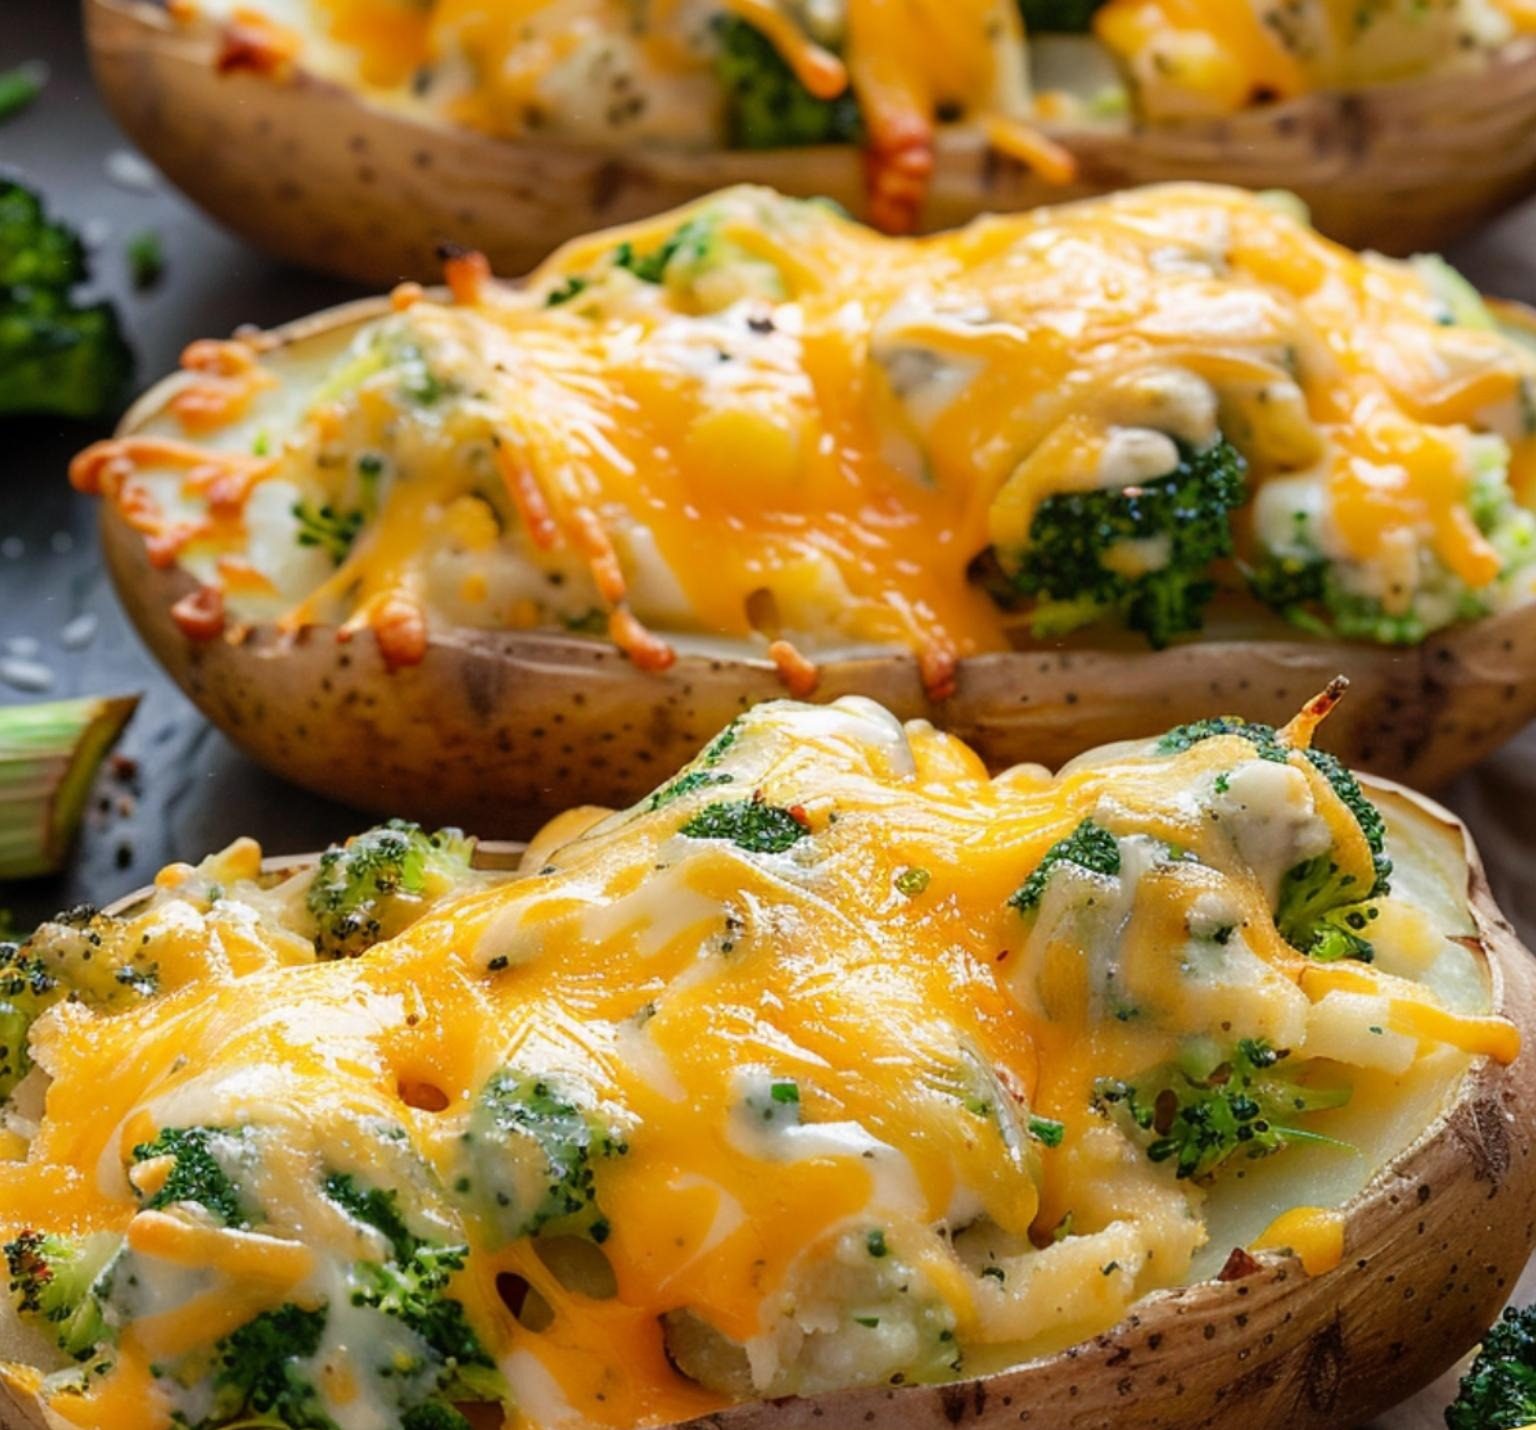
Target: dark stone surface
194, 792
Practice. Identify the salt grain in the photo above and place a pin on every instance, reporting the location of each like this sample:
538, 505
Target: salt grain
28, 675
79, 632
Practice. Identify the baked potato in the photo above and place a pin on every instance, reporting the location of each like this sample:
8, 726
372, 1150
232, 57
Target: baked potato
832, 1082
357, 135
525, 547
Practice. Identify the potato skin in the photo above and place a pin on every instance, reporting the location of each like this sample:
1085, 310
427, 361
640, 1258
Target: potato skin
309, 172
497, 730
1432, 1247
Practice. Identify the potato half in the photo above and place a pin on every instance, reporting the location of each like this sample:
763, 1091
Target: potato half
314, 173
497, 728
1432, 1246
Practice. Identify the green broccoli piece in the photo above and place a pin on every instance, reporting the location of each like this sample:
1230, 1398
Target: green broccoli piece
55, 358
1322, 909
20, 87
691, 243
530, 1151
766, 106
1182, 522
197, 1175
749, 824
372, 887
1062, 16
61, 1283
409, 1287
323, 526
1498, 1392
26, 989
80, 954
377, 1207
1201, 1115
1263, 738
686, 784
434, 1416
1313, 593
1090, 846
262, 1374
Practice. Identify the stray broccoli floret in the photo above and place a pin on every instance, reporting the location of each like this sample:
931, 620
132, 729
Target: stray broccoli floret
20, 87
1323, 909
766, 105
530, 1152
323, 526
749, 824
196, 1174
371, 888
26, 989
1200, 1115
1498, 1392
263, 1375
1061, 16
1090, 846
55, 358
146, 259
1141, 554
61, 1283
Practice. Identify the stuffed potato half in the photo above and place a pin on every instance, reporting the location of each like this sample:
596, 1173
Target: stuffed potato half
834, 1080
534, 544
355, 135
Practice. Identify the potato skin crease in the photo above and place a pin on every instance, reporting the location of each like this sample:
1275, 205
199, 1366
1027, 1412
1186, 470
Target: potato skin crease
312, 173
1432, 1246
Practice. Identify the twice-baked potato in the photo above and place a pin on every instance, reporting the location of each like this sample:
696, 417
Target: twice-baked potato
530, 546
357, 135
834, 1082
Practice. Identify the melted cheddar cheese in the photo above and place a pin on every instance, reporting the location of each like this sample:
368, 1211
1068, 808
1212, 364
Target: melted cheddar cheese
818, 1067
758, 422
679, 71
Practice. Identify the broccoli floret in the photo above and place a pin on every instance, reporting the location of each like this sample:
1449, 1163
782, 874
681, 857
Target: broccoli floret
750, 824
1138, 554
1320, 596
1264, 738
372, 887
1498, 1392
530, 1151
262, 1375
55, 358
1199, 1116
81, 955
1062, 16
61, 1283
766, 106
434, 1416
26, 989
409, 1287
196, 1175
1323, 909
377, 1207
1090, 846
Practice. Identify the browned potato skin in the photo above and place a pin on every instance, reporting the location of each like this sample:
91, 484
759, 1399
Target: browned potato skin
1431, 1249
496, 730
310, 172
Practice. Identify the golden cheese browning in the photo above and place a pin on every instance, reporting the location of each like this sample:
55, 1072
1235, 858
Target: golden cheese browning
835, 1061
